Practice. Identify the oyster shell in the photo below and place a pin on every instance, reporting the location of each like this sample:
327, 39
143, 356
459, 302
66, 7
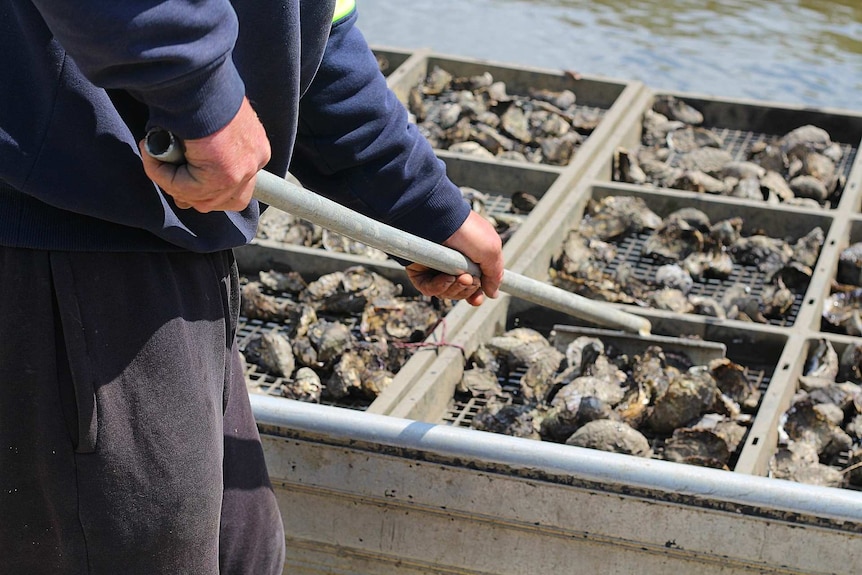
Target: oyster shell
479, 382
798, 462
613, 216
276, 281
673, 241
697, 447
275, 353
346, 375
675, 109
609, 435
688, 395
305, 386
330, 339
258, 305
732, 380
509, 419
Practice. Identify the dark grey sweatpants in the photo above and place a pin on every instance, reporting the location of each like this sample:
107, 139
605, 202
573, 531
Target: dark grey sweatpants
127, 444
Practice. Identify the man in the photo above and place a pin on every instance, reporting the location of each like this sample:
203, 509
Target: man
127, 444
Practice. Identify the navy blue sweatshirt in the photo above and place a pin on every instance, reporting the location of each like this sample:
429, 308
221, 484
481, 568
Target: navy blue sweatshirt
81, 82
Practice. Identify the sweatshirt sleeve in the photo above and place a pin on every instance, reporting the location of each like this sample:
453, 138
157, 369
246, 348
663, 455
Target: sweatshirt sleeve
355, 145
174, 56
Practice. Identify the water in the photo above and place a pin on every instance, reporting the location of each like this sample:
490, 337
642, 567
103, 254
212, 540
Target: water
803, 52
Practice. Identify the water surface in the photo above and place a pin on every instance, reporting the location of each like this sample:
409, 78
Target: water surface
806, 52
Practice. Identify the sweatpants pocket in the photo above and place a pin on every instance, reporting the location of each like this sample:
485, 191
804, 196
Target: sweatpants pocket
75, 374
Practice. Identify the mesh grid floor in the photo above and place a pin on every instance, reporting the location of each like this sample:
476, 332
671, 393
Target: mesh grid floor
629, 251
498, 204
738, 142
462, 412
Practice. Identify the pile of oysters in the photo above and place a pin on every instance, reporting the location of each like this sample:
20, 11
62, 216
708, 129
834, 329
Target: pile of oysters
656, 403
799, 168
679, 260
343, 335
820, 437
476, 115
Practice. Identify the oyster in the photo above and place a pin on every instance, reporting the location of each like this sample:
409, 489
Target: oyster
276, 281
804, 139
732, 380
805, 186
799, 462
670, 299
330, 339
690, 138
607, 391
708, 160
687, 396
673, 241
697, 447
479, 382
676, 109
523, 202
767, 253
609, 435
777, 299
305, 386
258, 305
627, 169
583, 352
822, 362
346, 375
374, 381
614, 216
304, 352
273, 352
541, 367
509, 419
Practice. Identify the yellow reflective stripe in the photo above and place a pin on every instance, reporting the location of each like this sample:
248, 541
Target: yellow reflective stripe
342, 9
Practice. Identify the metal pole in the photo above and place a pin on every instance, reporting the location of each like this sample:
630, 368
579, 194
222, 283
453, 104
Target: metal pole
278, 192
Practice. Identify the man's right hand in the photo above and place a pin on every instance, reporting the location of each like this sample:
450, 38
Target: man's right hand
220, 169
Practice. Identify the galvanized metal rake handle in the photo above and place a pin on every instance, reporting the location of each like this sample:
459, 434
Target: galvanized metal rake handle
286, 196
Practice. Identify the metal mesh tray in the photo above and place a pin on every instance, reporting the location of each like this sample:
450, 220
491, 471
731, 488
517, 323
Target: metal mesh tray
312, 264
742, 123
433, 397
759, 366
789, 225
594, 95
841, 460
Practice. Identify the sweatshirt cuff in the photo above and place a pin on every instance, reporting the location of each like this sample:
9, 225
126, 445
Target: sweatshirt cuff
200, 104
443, 211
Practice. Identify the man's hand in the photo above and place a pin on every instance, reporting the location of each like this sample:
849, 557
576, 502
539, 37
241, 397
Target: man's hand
220, 169
478, 240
